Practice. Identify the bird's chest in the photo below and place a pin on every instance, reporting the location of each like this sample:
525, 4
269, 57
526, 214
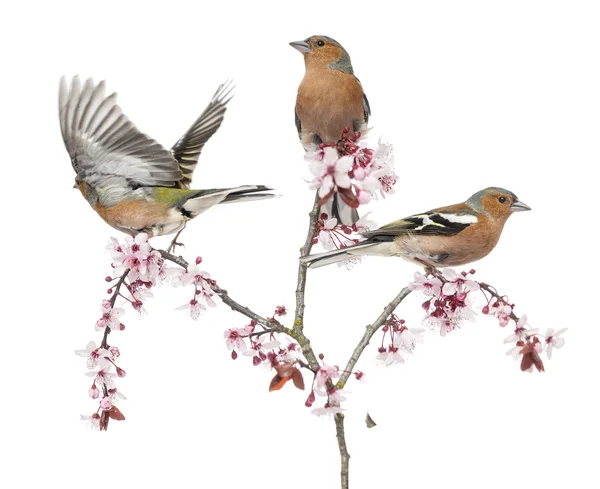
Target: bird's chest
328, 101
134, 215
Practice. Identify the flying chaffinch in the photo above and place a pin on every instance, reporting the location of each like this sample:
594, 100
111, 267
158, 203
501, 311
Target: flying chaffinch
330, 98
129, 179
444, 237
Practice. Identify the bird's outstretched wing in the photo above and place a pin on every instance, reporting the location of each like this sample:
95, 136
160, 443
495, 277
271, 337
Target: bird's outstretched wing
106, 148
187, 150
430, 223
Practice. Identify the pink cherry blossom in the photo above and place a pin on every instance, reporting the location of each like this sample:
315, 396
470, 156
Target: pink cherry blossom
235, 338
326, 373
329, 169
364, 224
428, 286
105, 403
93, 421
554, 340
110, 317
194, 307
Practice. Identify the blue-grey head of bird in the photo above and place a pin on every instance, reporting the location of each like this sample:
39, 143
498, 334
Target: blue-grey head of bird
496, 203
324, 52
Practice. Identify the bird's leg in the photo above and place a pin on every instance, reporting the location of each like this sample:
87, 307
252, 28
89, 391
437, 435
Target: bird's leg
429, 268
174, 243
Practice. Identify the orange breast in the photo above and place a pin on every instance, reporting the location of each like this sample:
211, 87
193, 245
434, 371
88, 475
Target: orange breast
133, 214
327, 102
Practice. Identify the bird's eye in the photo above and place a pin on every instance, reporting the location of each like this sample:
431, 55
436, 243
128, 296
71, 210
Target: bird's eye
320, 43
502, 199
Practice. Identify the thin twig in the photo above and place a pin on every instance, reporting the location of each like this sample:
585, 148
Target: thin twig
305, 250
495, 294
344, 455
113, 299
371, 329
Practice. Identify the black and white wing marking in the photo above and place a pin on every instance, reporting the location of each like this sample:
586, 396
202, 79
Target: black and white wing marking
429, 223
105, 147
187, 150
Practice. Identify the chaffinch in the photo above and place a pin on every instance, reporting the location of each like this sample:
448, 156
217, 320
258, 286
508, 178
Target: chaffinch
129, 179
330, 98
444, 237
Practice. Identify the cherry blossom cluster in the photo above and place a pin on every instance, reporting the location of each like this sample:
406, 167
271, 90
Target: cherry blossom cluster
100, 361
137, 268
332, 235
259, 342
203, 292
449, 301
398, 341
357, 173
528, 342
324, 386
141, 266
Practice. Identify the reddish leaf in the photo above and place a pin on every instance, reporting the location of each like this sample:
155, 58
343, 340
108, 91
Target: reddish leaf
325, 199
298, 379
537, 361
526, 362
277, 383
348, 197
115, 414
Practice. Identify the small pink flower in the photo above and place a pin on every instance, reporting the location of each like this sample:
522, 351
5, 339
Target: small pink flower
327, 410
105, 403
427, 286
326, 373
110, 317
193, 307
235, 338
93, 420
364, 224
389, 356
554, 340
94, 392
93, 353
330, 170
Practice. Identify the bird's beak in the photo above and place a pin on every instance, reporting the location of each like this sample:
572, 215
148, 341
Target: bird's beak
301, 46
519, 206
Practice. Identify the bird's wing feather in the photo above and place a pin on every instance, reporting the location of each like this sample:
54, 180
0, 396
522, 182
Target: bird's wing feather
187, 150
104, 145
298, 123
366, 107
430, 223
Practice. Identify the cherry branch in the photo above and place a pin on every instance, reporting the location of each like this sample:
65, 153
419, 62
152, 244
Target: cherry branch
371, 329
113, 299
270, 324
302, 267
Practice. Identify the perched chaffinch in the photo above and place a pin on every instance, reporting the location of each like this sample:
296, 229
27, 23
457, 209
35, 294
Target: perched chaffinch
330, 98
444, 237
129, 179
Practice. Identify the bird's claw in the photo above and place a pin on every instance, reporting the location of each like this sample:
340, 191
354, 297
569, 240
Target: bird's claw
173, 245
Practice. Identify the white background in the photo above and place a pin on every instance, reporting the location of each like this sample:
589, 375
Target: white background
472, 94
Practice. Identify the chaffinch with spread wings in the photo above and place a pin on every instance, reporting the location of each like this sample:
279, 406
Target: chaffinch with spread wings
444, 237
330, 99
130, 180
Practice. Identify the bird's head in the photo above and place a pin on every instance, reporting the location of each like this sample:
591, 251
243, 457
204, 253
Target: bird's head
496, 203
324, 52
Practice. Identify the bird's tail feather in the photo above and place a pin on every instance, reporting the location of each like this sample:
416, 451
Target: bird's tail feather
336, 207
335, 256
201, 200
